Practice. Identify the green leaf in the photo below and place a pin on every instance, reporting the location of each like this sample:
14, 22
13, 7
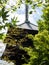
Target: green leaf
30, 12
1, 35
14, 20
4, 14
1, 27
0, 13
8, 24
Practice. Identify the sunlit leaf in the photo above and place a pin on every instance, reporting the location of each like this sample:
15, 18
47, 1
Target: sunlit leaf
1, 35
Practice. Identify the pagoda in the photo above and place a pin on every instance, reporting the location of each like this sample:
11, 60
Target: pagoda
27, 25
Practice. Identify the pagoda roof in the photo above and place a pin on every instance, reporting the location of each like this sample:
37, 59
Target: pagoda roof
28, 25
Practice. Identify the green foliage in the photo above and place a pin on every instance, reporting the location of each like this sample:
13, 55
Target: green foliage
3, 1
39, 55
4, 14
14, 20
1, 36
44, 23
41, 40
38, 46
30, 12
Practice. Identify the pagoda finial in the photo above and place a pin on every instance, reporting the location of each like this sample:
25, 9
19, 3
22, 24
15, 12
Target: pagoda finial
26, 13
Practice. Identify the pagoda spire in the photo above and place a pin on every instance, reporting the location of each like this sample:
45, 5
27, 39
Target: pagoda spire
26, 13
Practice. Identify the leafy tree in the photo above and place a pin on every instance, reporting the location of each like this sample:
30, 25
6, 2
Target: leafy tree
41, 41
39, 54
